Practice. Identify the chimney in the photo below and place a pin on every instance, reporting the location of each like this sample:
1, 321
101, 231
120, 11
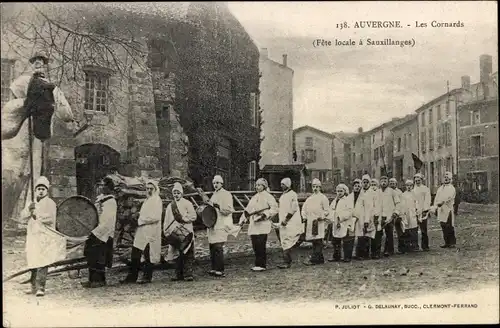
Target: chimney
360, 130
466, 82
284, 60
263, 53
485, 68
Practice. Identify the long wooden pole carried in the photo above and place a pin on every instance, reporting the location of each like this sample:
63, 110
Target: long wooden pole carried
30, 136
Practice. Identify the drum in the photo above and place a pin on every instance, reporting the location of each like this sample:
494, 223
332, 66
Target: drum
180, 237
208, 215
77, 216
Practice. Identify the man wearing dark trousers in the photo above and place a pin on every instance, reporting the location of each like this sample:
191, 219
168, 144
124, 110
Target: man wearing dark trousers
387, 207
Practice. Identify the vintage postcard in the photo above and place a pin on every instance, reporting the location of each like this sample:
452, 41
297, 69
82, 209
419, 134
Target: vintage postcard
249, 163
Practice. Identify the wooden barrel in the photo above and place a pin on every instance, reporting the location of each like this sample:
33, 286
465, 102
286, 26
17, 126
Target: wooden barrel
77, 216
208, 215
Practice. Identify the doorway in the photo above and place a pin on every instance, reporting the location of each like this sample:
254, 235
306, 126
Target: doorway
93, 162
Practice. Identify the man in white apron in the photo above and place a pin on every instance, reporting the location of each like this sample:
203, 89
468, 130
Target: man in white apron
423, 198
40, 249
183, 213
147, 239
365, 222
99, 245
443, 205
222, 201
259, 211
376, 242
314, 213
343, 224
387, 208
290, 223
409, 222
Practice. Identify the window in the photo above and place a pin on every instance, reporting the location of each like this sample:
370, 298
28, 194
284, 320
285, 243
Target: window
254, 109
447, 128
430, 115
224, 158
6, 78
335, 162
431, 139
409, 173
375, 154
361, 158
310, 156
447, 109
382, 135
382, 152
252, 173
96, 91
322, 176
438, 112
373, 138
422, 119
476, 117
476, 146
423, 142
439, 135
354, 158
399, 144
405, 141
309, 141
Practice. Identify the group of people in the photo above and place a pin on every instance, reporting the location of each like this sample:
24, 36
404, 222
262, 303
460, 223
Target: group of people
373, 209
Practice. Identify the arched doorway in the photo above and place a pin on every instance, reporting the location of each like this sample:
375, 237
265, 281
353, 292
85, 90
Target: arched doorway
93, 162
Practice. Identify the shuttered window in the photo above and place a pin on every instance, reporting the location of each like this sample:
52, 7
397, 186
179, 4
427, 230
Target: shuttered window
423, 143
476, 146
431, 139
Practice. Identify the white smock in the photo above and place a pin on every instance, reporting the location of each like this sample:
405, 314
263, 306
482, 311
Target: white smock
289, 234
224, 224
315, 207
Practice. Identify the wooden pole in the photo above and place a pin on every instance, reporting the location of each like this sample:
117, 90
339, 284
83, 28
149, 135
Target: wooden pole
32, 179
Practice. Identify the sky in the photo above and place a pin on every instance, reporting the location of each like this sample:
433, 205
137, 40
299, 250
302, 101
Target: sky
343, 88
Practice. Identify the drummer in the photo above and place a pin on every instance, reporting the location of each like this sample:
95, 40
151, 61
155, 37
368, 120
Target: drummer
99, 245
182, 211
260, 209
147, 239
222, 201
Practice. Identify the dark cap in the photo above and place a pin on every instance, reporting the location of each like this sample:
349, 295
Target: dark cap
41, 55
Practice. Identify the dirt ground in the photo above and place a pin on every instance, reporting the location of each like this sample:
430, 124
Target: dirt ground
473, 263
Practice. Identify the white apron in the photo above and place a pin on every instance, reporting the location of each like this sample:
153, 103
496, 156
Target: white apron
44, 245
358, 213
342, 213
409, 210
315, 206
423, 197
188, 212
368, 208
259, 201
289, 204
150, 233
446, 194
219, 232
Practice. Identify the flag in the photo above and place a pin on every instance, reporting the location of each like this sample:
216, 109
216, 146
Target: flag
417, 163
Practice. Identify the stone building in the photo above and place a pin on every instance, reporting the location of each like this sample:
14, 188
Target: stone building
381, 145
361, 147
405, 144
276, 102
478, 138
149, 115
315, 149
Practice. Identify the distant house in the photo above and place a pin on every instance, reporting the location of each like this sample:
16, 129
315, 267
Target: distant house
404, 145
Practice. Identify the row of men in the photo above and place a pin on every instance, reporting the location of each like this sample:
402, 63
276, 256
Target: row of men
371, 210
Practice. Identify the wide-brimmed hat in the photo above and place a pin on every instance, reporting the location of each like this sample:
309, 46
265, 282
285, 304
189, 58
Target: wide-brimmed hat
39, 54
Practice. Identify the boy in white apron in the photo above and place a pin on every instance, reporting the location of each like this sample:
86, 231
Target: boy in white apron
39, 251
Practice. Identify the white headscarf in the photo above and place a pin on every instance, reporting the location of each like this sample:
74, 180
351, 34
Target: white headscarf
366, 177
218, 178
393, 180
263, 182
418, 175
409, 181
376, 181
287, 182
42, 181
178, 187
344, 187
156, 192
316, 182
